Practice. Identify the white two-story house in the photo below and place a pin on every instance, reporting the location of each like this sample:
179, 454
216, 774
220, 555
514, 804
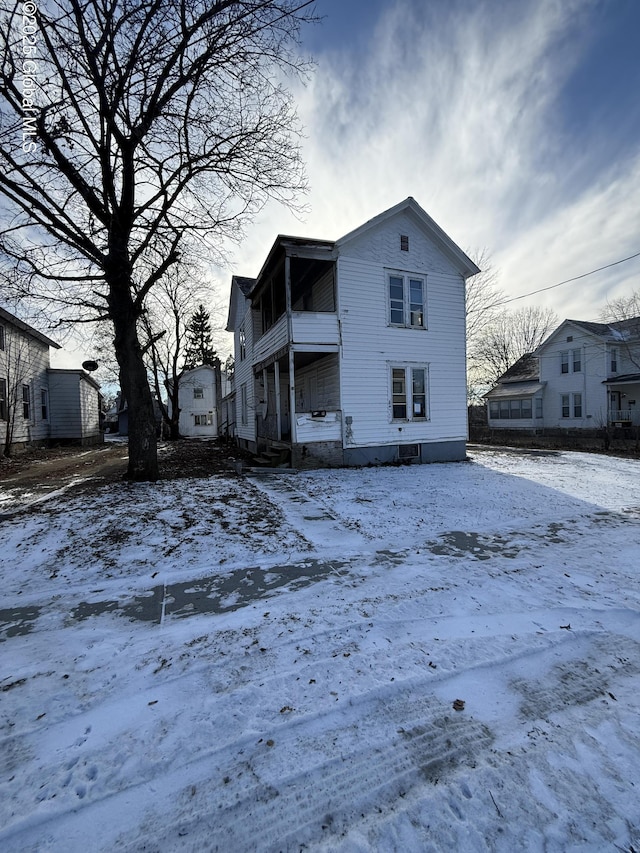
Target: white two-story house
353, 352
583, 376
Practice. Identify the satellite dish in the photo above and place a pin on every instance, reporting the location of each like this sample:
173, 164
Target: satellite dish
90, 366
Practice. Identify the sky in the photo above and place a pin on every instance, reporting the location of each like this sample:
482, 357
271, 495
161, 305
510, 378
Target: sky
516, 126
325, 662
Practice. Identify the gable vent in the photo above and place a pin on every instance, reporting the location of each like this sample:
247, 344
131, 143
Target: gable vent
404, 243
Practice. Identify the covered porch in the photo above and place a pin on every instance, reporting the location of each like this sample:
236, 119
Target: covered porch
306, 383
623, 401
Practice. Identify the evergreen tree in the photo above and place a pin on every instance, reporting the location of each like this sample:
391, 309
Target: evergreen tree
199, 348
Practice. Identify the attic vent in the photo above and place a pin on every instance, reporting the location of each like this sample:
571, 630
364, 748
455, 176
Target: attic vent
404, 243
570, 338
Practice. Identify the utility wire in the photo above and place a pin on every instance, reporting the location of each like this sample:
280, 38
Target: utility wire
568, 280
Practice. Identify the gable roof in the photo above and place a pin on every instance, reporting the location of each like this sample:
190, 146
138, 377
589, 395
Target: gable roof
27, 329
620, 330
446, 245
242, 285
526, 369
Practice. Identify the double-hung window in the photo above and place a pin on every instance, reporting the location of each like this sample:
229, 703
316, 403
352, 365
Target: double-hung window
577, 361
407, 300
244, 408
614, 359
409, 393
198, 393
2, 338
26, 402
242, 338
44, 404
571, 405
564, 362
3, 399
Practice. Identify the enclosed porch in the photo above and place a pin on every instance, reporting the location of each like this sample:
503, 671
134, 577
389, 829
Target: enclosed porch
623, 397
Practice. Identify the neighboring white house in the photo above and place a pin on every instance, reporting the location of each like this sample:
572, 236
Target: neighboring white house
40, 405
353, 352
583, 376
198, 398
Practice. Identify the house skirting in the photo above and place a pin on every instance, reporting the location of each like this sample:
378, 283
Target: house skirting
422, 453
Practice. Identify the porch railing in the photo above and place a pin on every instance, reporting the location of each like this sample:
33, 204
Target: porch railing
626, 417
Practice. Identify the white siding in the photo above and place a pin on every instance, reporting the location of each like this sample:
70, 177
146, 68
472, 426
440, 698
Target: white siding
370, 345
588, 382
244, 375
311, 327
24, 361
73, 406
203, 377
317, 386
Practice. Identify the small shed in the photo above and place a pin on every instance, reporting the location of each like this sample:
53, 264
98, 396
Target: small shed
74, 399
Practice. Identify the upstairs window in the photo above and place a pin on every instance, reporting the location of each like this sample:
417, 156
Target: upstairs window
404, 243
242, 339
564, 362
577, 360
407, 300
198, 393
614, 359
1, 338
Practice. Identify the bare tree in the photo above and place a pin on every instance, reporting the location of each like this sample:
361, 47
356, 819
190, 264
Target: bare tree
510, 336
129, 130
165, 335
483, 308
624, 315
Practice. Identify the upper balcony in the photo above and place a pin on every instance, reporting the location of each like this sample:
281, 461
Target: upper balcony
294, 301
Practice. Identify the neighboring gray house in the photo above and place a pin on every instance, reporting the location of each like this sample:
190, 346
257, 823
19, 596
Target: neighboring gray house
39, 405
353, 352
583, 376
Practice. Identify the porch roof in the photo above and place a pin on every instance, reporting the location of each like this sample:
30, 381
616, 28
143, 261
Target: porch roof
624, 379
515, 389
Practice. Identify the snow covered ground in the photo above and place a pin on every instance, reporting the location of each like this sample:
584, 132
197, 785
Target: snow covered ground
434, 658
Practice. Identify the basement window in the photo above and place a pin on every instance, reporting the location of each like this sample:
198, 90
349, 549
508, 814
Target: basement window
408, 451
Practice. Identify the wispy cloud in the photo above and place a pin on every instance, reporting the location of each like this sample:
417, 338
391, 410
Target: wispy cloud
459, 105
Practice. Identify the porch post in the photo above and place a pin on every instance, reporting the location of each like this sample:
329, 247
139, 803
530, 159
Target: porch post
292, 399
276, 373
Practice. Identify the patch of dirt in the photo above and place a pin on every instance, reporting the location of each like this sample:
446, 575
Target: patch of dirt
40, 470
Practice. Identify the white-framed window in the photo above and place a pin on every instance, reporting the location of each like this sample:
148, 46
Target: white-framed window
244, 409
3, 399
242, 340
564, 361
26, 402
539, 407
576, 360
44, 404
614, 359
407, 295
409, 385
571, 405
203, 420
198, 393
577, 405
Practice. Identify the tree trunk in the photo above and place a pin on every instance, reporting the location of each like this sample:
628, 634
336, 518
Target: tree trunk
143, 447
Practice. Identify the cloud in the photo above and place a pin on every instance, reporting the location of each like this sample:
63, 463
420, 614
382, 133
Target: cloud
460, 105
